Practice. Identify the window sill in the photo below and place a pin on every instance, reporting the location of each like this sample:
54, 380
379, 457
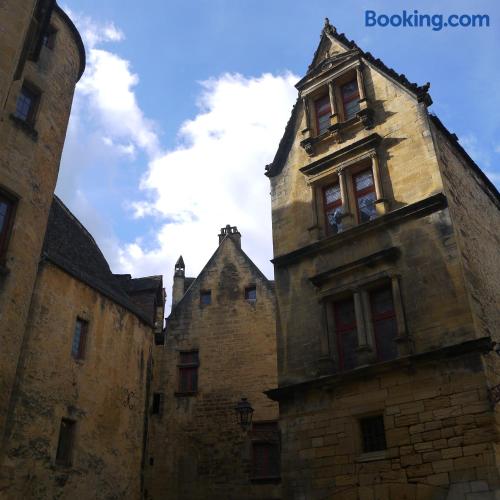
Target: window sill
26, 127
266, 479
179, 394
372, 456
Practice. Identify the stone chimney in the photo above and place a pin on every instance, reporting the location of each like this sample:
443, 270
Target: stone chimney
232, 232
179, 278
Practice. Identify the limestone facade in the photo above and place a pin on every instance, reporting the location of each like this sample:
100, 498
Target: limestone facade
386, 256
224, 322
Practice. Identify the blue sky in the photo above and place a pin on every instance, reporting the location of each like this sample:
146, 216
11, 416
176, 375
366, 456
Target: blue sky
183, 103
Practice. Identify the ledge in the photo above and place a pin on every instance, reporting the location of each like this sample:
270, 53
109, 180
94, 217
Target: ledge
26, 127
481, 345
390, 254
415, 210
323, 163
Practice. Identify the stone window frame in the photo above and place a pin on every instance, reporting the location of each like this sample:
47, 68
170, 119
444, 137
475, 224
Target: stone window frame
66, 442
195, 365
360, 292
265, 432
370, 456
344, 173
5, 236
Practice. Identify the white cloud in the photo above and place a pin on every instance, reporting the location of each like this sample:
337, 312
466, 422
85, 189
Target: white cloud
214, 177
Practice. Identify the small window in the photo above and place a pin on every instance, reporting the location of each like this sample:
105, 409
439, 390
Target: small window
364, 190
188, 371
205, 297
160, 338
49, 38
157, 407
323, 110
265, 450
332, 206
79, 339
251, 293
350, 99
346, 333
65, 445
27, 104
6, 218
373, 434
384, 323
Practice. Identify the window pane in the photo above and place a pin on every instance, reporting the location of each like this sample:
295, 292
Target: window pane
79, 338
334, 218
350, 90
25, 104
373, 433
363, 180
206, 297
323, 106
345, 316
366, 207
188, 379
189, 357
65, 444
351, 108
385, 333
4, 210
332, 194
266, 459
348, 344
381, 301
251, 293
323, 123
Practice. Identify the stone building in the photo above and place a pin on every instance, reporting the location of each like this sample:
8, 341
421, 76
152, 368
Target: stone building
386, 255
220, 346
76, 357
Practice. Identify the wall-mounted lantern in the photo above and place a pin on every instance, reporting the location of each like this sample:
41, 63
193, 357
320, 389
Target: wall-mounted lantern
244, 412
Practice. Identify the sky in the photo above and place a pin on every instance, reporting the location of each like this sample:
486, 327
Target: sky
183, 103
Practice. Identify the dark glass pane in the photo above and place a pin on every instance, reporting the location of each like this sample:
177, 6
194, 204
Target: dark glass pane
385, 333
24, 104
77, 338
332, 194
206, 298
363, 180
4, 209
323, 106
381, 301
189, 357
188, 379
373, 433
334, 218
351, 108
366, 205
251, 293
65, 444
345, 316
350, 90
323, 123
348, 344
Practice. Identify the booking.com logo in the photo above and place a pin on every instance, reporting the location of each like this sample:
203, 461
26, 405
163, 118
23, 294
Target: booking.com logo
435, 21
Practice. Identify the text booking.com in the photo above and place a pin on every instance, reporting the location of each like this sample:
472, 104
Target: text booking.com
414, 19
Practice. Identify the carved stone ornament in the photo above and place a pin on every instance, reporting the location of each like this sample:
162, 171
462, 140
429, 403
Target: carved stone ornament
366, 117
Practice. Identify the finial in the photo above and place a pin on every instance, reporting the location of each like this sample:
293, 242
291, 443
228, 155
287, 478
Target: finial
328, 28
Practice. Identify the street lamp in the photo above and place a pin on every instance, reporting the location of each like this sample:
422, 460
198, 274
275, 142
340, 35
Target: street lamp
244, 412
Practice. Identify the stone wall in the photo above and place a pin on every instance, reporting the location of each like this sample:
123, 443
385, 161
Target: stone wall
197, 449
105, 393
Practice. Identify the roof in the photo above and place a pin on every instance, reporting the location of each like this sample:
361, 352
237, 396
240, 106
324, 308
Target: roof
72, 248
329, 32
189, 288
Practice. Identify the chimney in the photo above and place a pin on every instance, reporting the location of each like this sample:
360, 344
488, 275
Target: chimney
232, 232
179, 278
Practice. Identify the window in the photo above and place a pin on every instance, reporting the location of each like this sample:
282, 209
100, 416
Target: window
66, 441
265, 450
157, 407
323, 111
188, 371
364, 190
79, 339
332, 206
49, 38
27, 104
159, 338
384, 323
6, 218
350, 99
373, 434
346, 333
251, 293
205, 297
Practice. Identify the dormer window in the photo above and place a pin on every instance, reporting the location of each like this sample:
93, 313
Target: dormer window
350, 99
323, 110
